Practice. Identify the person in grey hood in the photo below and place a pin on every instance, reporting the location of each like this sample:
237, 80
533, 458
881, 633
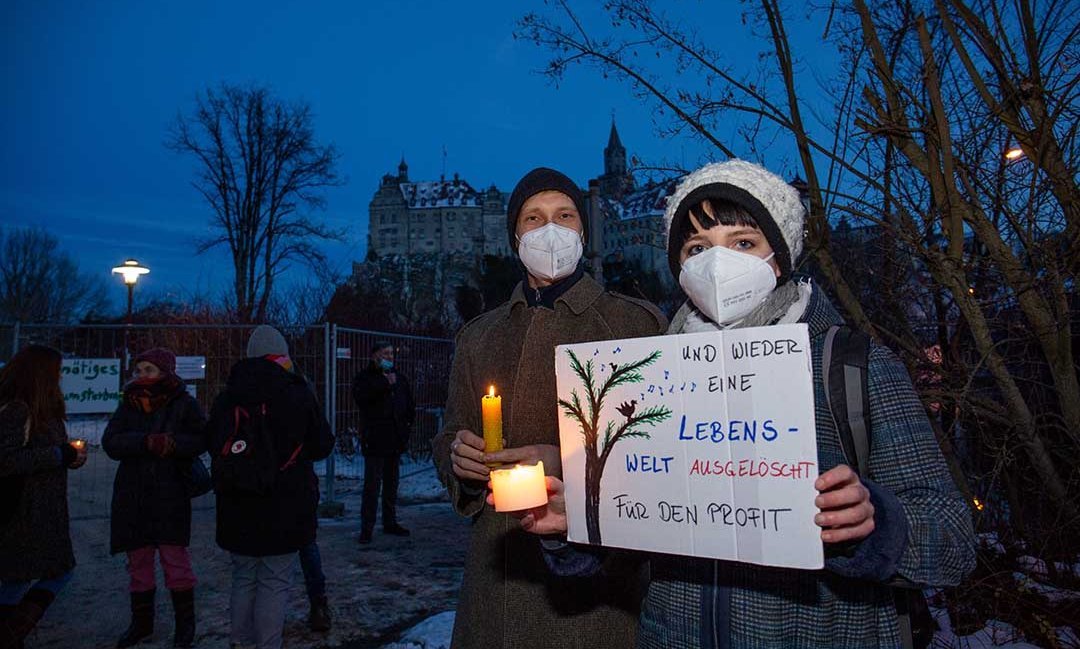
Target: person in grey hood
735, 233
265, 431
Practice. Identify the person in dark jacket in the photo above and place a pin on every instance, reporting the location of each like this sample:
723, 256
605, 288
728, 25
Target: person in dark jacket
386, 418
155, 433
512, 347
264, 528
36, 559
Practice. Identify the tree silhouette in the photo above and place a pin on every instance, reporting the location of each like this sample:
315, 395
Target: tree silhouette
597, 453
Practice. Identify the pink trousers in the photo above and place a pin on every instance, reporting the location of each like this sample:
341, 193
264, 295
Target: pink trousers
175, 562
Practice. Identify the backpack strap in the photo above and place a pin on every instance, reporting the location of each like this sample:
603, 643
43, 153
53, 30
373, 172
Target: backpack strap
844, 363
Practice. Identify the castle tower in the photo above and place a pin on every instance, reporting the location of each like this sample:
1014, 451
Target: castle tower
615, 180
403, 170
614, 154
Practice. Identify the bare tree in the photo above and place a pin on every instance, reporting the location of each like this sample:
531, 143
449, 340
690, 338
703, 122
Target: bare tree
39, 282
960, 259
262, 172
305, 301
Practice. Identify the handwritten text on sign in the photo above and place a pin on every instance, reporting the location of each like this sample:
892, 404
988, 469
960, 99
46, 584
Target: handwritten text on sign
698, 444
90, 385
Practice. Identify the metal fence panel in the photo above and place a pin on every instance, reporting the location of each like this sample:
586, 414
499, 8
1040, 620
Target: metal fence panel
424, 361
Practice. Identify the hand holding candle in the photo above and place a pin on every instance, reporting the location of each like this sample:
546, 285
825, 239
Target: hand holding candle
80, 453
522, 487
491, 416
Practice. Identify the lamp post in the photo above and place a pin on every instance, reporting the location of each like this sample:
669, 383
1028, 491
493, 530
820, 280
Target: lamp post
130, 270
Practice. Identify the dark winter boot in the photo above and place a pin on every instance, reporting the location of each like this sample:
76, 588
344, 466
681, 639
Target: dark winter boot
142, 620
183, 602
23, 617
319, 616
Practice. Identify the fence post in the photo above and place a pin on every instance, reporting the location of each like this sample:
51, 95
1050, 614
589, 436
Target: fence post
329, 507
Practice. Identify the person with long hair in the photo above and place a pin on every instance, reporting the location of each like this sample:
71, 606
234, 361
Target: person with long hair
155, 433
36, 558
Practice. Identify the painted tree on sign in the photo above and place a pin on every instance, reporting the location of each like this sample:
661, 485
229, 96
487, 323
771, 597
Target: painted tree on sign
597, 447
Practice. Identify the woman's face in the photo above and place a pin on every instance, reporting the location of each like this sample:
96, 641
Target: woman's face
145, 371
740, 238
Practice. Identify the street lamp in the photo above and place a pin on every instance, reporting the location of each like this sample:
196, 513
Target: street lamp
130, 271
1014, 154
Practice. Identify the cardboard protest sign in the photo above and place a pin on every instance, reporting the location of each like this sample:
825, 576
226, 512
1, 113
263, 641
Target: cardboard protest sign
697, 444
90, 385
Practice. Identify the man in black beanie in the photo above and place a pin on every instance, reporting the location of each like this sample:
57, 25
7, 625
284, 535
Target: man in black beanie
512, 347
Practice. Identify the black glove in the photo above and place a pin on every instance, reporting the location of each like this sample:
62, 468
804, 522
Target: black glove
68, 455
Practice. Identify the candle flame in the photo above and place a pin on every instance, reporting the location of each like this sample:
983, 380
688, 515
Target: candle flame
491, 391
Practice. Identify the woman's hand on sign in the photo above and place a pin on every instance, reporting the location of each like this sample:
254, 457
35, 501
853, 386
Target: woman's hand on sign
846, 511
467, 456
531, 454
547, 519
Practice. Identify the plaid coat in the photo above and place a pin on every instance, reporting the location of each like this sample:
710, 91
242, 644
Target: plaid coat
924, 534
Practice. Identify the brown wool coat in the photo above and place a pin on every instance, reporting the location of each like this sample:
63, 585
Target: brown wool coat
508, 597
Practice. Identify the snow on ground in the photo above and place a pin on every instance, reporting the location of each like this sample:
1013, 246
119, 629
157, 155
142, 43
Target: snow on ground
432, 633
395, 590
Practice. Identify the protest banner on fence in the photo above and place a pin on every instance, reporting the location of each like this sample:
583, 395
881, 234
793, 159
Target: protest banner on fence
697, 444
191, 367
90, 385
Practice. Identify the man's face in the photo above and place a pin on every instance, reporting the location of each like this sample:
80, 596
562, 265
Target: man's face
548, 207
386, 353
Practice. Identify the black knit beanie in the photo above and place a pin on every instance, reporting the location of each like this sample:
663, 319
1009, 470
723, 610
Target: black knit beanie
539, 180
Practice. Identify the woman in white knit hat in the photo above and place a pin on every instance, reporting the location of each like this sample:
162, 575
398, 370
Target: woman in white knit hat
735, 233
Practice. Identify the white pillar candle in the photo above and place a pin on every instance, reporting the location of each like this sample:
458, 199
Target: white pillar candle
522, 487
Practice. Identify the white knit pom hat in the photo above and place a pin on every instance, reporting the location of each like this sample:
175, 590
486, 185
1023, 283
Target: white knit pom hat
773, 203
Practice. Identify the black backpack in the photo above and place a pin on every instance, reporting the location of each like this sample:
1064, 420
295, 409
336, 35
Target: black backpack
244, 458
844, 363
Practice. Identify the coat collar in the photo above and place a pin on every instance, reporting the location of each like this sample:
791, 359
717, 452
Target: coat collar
578, 298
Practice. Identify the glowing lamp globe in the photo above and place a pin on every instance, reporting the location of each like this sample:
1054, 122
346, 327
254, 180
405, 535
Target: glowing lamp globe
130, 271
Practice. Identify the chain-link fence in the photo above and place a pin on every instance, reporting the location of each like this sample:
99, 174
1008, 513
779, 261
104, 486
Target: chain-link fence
425, 362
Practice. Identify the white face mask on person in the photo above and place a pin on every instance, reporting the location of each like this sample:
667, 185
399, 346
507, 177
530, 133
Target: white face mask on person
727, 285
550, 252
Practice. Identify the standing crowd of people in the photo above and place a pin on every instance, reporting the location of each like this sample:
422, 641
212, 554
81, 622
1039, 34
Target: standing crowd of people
264, 432
735, 236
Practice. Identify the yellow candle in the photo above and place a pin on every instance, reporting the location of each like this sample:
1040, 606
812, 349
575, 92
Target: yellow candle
78, 443
491, 415
522, 487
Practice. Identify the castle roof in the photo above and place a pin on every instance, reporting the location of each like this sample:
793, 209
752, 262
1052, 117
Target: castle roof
440, 193
647, 201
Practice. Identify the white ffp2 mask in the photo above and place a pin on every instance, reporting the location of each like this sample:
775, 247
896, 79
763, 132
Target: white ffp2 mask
727, 285
550, 252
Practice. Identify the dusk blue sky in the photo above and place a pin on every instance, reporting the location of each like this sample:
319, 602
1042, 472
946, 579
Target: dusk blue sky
91, 89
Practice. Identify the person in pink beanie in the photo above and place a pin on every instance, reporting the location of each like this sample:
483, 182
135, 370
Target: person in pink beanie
155, 433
